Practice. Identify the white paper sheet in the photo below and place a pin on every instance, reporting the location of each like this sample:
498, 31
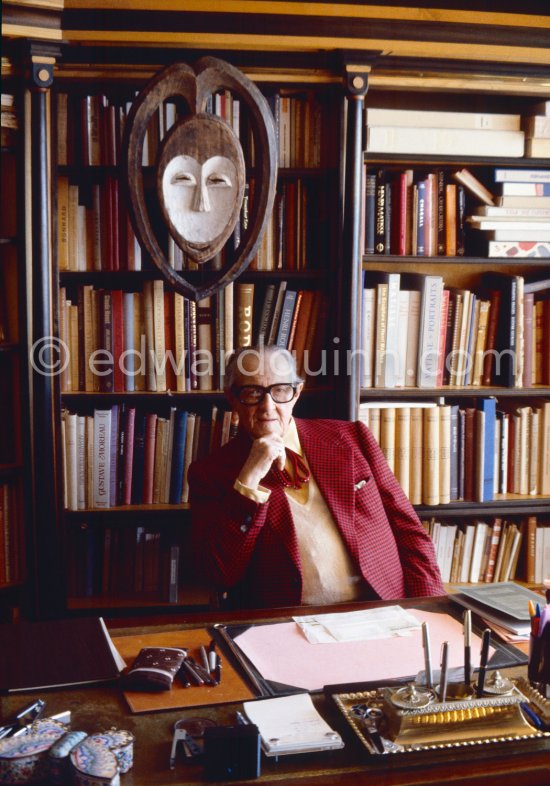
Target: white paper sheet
363, 625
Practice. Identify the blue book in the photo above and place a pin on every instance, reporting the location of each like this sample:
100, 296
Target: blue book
178, 457
487, 406
285, 322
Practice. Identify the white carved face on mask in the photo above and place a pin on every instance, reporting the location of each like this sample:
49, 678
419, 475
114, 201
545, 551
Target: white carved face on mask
200, 183
199, 198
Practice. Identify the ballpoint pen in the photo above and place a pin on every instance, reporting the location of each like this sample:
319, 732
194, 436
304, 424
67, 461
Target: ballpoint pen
486, 640
204, 658
467, 647
427, 654
444, 671
218, 670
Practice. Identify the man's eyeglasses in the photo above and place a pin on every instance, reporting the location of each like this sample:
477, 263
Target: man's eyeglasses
250, 395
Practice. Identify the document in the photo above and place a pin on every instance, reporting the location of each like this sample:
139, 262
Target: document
363, 625
505, 604
291, 724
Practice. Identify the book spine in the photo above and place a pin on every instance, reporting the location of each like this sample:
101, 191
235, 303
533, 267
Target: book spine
102, 457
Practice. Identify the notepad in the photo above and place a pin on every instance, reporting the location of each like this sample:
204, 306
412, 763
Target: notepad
291, 724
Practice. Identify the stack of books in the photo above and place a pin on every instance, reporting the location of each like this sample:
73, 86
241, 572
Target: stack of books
518, 224
444, 133
536, 127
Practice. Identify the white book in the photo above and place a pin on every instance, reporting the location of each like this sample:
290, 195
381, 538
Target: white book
402, 336
533, 223
525, 189
523, 200
498, 211
158, 332
478, 548
413, 330
522, 176
467, 552
368, 312
536, 235
445, 141
102, 457
377, 116
428, 341
449, 551
392, 331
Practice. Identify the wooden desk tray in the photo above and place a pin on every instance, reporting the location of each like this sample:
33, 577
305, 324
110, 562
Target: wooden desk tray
452, 724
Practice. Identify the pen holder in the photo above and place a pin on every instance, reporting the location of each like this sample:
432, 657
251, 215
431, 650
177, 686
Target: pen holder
538, 669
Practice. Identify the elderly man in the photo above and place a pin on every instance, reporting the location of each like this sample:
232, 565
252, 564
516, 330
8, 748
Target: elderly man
296, 511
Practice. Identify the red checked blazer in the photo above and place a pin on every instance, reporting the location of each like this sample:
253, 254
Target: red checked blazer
237, 540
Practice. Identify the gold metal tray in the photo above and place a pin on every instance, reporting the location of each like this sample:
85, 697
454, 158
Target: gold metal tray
452, 724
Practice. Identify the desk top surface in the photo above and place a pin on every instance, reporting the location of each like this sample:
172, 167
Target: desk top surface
102, 707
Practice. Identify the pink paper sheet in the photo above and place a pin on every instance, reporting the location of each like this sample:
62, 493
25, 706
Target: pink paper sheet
281, 652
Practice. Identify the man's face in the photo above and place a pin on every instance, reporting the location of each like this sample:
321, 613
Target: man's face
267, 417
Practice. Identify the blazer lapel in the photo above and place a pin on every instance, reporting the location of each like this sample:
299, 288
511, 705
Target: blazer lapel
325, 462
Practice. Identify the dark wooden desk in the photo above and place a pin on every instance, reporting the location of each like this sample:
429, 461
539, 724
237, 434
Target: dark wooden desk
97, 708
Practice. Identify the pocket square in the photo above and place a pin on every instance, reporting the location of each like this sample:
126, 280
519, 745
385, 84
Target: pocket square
360, 485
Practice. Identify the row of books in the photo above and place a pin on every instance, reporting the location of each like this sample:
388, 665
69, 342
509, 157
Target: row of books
95, 232
157, 340
413, 213
128, 456
11, 555
417, 332
537, 131
90, 128
135, 562
447, 452
455, 133
486, 551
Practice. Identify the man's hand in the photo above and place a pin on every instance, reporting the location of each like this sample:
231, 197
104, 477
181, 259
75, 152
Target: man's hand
264, 451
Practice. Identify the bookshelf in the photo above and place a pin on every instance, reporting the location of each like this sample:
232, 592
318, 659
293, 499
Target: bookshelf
126, 548
289, 54
443, 245
13, 400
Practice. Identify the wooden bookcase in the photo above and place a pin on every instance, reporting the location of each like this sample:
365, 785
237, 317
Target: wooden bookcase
13, 396
348, 62
465, 271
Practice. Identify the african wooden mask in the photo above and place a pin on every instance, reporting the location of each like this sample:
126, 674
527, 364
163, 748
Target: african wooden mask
200, 173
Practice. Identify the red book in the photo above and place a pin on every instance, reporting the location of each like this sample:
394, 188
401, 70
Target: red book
528, 328
128, 456
289, 229
399, 239
169, 341
469, 452
442, 338
488, 360
149, 457
117, 323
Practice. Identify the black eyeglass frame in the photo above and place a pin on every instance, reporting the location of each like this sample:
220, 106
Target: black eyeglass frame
237, 392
